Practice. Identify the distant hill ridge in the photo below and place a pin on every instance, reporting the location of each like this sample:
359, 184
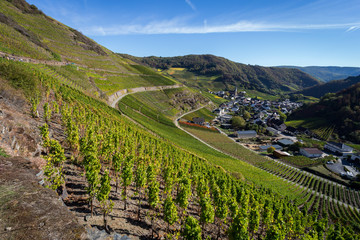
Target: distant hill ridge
341, 109
330, 87
271, 80
329, 73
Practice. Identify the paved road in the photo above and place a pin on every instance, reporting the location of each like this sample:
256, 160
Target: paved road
116, 97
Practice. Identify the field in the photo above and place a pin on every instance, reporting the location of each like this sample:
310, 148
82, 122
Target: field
302, 161
215, 99
311, 123
204, 113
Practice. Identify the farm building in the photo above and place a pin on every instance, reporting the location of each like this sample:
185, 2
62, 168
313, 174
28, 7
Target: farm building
339, 148
246, 134
311, 152
273, 131
285, 142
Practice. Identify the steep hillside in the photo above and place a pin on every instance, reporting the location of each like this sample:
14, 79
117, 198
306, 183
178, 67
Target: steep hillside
330, 87
341, 109
88, 150
222, 73
29, 35
327, 74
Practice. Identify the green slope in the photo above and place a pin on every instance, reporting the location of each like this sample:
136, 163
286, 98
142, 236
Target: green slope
340, 110
28, 33
217, 73
327, 74
330, 87
144, 108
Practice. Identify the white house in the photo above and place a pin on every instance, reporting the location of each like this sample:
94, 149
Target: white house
311, 152
339, 148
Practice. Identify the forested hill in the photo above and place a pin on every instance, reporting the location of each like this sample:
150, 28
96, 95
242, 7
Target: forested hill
265, 79
327, 74
341, 109
331, 87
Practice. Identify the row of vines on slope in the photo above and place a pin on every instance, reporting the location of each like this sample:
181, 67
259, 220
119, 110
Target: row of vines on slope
196, 199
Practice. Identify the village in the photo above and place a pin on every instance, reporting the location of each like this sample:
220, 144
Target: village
264, 130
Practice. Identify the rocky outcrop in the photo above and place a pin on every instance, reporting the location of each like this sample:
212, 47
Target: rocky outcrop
30, 211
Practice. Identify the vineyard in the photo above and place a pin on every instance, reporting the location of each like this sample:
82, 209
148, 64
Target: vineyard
138, 174
116, 170
324, 133
310, 187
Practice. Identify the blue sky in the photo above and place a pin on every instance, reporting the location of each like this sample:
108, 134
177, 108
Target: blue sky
262, 32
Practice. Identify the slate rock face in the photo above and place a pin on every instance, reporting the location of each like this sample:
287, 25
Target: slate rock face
30, 211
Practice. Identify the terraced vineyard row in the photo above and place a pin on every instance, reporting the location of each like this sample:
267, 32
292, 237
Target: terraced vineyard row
60, 78
318, 194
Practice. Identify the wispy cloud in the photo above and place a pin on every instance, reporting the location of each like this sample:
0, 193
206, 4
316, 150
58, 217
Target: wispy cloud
353, 28
191, 4
176, 27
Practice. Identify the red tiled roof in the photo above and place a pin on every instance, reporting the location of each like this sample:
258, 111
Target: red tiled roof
313, 151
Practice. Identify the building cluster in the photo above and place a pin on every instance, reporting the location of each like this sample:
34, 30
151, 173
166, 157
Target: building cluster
263, 112
267, 114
